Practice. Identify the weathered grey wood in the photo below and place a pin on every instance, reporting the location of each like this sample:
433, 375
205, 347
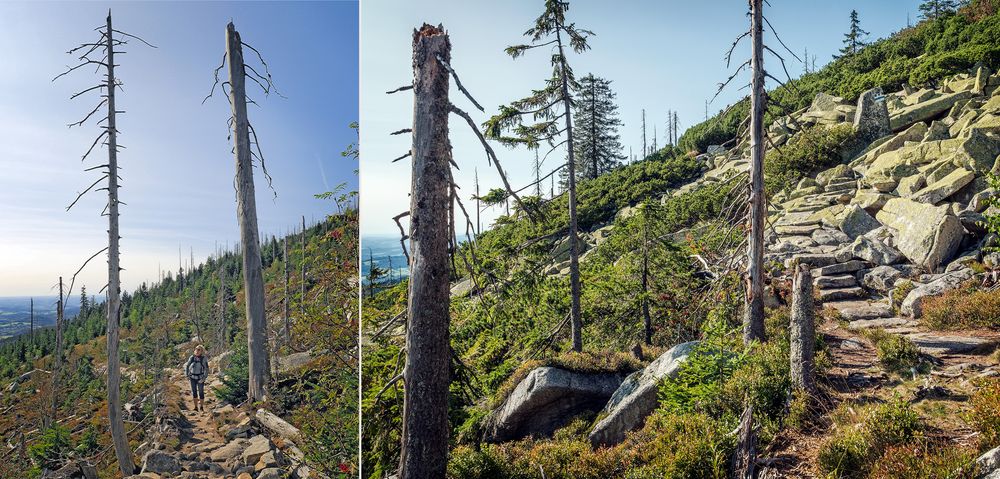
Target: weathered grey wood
223, 337
745, 455
57, 366
302, 272
246, 210
803, 332
277, 425
753, 324
426, 376
576, 322
118, 438
647, 323
288, 306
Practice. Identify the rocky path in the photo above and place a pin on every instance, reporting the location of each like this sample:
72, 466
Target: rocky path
218, 443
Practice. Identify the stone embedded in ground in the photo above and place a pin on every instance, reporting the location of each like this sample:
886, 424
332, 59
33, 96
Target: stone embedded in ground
936, 343
231, 450
881, 278
989, 462
912, 305
636, 398
853, 310
842, 281
840, 293
927, 235
844, 267
547, 399
259, 445
882, 322
813, 259
829, 236
159, 462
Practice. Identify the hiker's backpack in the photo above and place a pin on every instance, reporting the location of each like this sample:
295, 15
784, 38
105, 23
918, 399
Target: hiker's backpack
196, 367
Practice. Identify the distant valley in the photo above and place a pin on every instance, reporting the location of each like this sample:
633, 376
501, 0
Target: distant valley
15, 313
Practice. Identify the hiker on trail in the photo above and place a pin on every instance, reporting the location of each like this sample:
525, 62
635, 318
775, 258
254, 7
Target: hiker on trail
196, 370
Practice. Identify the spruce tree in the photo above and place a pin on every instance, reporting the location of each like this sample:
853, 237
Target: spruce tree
598, 145
854, 38
549, 110
934, 9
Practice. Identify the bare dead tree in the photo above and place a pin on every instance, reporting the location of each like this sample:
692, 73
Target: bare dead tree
426, 375
58, 354
288, 306
753, 324
246, 147
223, 337
107, 43
302, 270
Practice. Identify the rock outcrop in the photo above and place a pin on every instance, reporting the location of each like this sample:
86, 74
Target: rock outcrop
547, 399
636, 397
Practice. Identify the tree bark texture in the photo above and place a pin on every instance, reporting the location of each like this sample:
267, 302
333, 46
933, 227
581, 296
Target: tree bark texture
753, 324
426, 375
803, 331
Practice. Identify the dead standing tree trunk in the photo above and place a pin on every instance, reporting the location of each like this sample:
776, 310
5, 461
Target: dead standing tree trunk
803, 332
753, 324
288, 308
246, 210
122, 449
576, 322
107, 43
302, 271
57, 367
426, 375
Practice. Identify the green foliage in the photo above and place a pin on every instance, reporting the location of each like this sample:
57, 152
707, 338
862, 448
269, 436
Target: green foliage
992, 221
853, 448
236, 376
895, 352
808, 151
967, 307
668, 446
925, 459
918, 55
52, 448
985, 413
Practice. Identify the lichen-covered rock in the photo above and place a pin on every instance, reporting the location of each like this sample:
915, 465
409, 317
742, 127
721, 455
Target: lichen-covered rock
913, 303
944, 187
160, 462
925, 110
548, 398
872, 251
636, 397
871, 119
881, 278
856, 221
927, 235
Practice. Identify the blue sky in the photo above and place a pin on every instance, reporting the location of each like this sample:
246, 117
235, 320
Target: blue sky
177, 168
661, 55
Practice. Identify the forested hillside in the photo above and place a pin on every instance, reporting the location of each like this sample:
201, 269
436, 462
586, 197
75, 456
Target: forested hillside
879, 267
315, 369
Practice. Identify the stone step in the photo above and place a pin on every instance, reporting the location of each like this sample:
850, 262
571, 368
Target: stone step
841, 187
842, 281
879, 323
840, 268
934, 343
853, 310
796, 230
812, 259
840, 293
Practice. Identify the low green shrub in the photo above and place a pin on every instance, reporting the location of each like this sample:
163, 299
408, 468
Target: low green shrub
895, 353
853, 448
984, 415
963, 308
